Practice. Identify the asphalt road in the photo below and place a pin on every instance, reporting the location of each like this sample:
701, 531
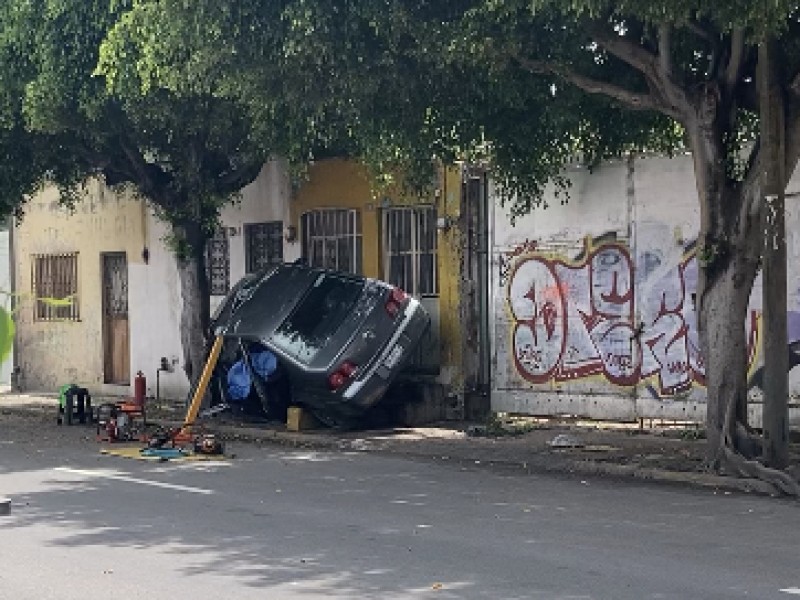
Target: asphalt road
277, 523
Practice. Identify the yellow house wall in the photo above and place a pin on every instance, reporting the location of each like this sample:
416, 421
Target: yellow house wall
450, 258
346, 184
337, 183
50, 354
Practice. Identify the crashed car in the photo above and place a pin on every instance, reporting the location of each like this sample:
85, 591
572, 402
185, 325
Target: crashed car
338, 340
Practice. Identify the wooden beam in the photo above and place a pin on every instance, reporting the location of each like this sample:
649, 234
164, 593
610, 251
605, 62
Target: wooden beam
202, 384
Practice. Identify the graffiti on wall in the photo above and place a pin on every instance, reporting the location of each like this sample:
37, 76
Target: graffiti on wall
598, 314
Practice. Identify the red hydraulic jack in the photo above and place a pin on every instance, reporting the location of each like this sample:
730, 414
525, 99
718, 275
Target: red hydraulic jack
185, 435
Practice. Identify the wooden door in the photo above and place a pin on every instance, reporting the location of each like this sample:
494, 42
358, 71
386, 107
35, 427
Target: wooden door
116, 338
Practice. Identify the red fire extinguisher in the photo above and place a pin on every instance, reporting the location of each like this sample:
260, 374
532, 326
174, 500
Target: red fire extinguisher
139, 389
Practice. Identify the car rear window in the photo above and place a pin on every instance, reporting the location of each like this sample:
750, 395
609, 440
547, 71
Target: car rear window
318, 316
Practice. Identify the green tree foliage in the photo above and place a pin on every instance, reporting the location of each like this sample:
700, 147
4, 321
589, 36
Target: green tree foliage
61, 121
396, 84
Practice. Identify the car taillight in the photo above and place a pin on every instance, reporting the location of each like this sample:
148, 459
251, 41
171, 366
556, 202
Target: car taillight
396, 299
347, 369
336, 380
342, 375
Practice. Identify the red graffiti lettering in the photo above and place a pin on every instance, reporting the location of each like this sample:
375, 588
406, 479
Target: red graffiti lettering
574, 320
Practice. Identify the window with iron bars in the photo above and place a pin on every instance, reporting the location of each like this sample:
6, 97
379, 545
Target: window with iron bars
332, 239
218, 262
410, 249
263, 245
54, 283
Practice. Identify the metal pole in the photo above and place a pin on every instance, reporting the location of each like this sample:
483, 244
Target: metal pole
775, 420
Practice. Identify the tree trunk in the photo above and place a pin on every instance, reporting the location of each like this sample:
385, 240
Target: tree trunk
728, 254
195, 294
729, 250
722, 316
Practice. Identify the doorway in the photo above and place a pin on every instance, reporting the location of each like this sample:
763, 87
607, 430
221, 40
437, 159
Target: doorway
116, 331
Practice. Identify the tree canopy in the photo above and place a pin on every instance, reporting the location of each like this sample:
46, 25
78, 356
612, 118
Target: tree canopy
397, 85
63, 122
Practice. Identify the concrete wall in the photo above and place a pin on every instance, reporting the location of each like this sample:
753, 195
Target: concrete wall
57, 352
593, 301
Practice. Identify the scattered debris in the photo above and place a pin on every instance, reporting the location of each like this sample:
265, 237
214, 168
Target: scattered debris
477, 431
159, 454
600, 448
359, 445
566, 440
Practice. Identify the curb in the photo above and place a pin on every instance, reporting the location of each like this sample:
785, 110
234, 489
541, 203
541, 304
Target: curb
533, 463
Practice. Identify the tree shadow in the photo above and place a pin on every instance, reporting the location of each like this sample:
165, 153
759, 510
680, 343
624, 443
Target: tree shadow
259, 546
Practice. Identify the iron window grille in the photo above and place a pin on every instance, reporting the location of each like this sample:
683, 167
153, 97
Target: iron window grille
115, 288
332, 239
218, 263
410, 249
54, 283
263, 245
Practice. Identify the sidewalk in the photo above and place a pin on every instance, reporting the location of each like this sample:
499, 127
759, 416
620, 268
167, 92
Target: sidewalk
662, 453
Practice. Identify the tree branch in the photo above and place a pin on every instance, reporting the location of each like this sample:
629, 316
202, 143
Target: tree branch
94, 159
634, 100
235, 179
151, 180
665, 49
794, 85
637, 57
736, 59
672, 98
138, 164
698, 30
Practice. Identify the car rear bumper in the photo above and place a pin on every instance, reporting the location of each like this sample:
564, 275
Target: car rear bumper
373, 382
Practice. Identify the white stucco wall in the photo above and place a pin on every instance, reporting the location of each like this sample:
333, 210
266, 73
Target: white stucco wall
155, 297
154, 309
592, 301
266, 199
